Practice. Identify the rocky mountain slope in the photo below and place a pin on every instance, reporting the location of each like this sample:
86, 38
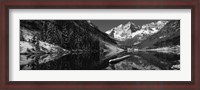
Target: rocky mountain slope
168, 36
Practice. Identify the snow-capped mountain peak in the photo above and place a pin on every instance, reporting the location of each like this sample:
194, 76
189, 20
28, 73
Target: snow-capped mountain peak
120, 26
132, 31
128, 25
123, 32
109, 31
156, 25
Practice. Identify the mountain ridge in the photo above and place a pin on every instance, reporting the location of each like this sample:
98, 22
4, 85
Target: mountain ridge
141, 38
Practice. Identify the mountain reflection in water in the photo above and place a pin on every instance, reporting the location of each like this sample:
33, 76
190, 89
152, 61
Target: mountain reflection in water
96, 61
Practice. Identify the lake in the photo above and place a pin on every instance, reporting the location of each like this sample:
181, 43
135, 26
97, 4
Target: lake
141, 60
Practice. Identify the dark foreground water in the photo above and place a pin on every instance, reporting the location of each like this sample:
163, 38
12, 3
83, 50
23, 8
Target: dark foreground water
97, 61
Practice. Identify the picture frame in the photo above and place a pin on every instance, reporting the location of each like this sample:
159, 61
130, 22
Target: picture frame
127, 4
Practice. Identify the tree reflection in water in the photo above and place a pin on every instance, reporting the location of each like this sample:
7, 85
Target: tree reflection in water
98, 61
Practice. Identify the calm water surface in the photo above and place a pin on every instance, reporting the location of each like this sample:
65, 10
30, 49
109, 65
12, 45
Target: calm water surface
99, 61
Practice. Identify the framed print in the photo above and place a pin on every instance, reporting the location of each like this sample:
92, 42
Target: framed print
127, 44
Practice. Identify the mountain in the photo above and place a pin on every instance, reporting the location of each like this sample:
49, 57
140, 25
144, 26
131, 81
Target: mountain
123, 32
168, 36
131, 34
72, 35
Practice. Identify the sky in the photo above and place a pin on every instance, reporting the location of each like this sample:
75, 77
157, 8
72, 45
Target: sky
105, 25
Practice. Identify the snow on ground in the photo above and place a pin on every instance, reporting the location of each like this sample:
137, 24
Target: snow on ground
27, 34
50, 48
26, 47
135, 43
44, 47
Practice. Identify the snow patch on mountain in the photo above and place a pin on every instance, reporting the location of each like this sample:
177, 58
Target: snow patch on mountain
40, 47
109, 31
28, 35
50, 48
26, 47
162, 37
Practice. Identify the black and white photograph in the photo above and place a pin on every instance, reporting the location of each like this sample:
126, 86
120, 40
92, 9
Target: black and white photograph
99, 44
